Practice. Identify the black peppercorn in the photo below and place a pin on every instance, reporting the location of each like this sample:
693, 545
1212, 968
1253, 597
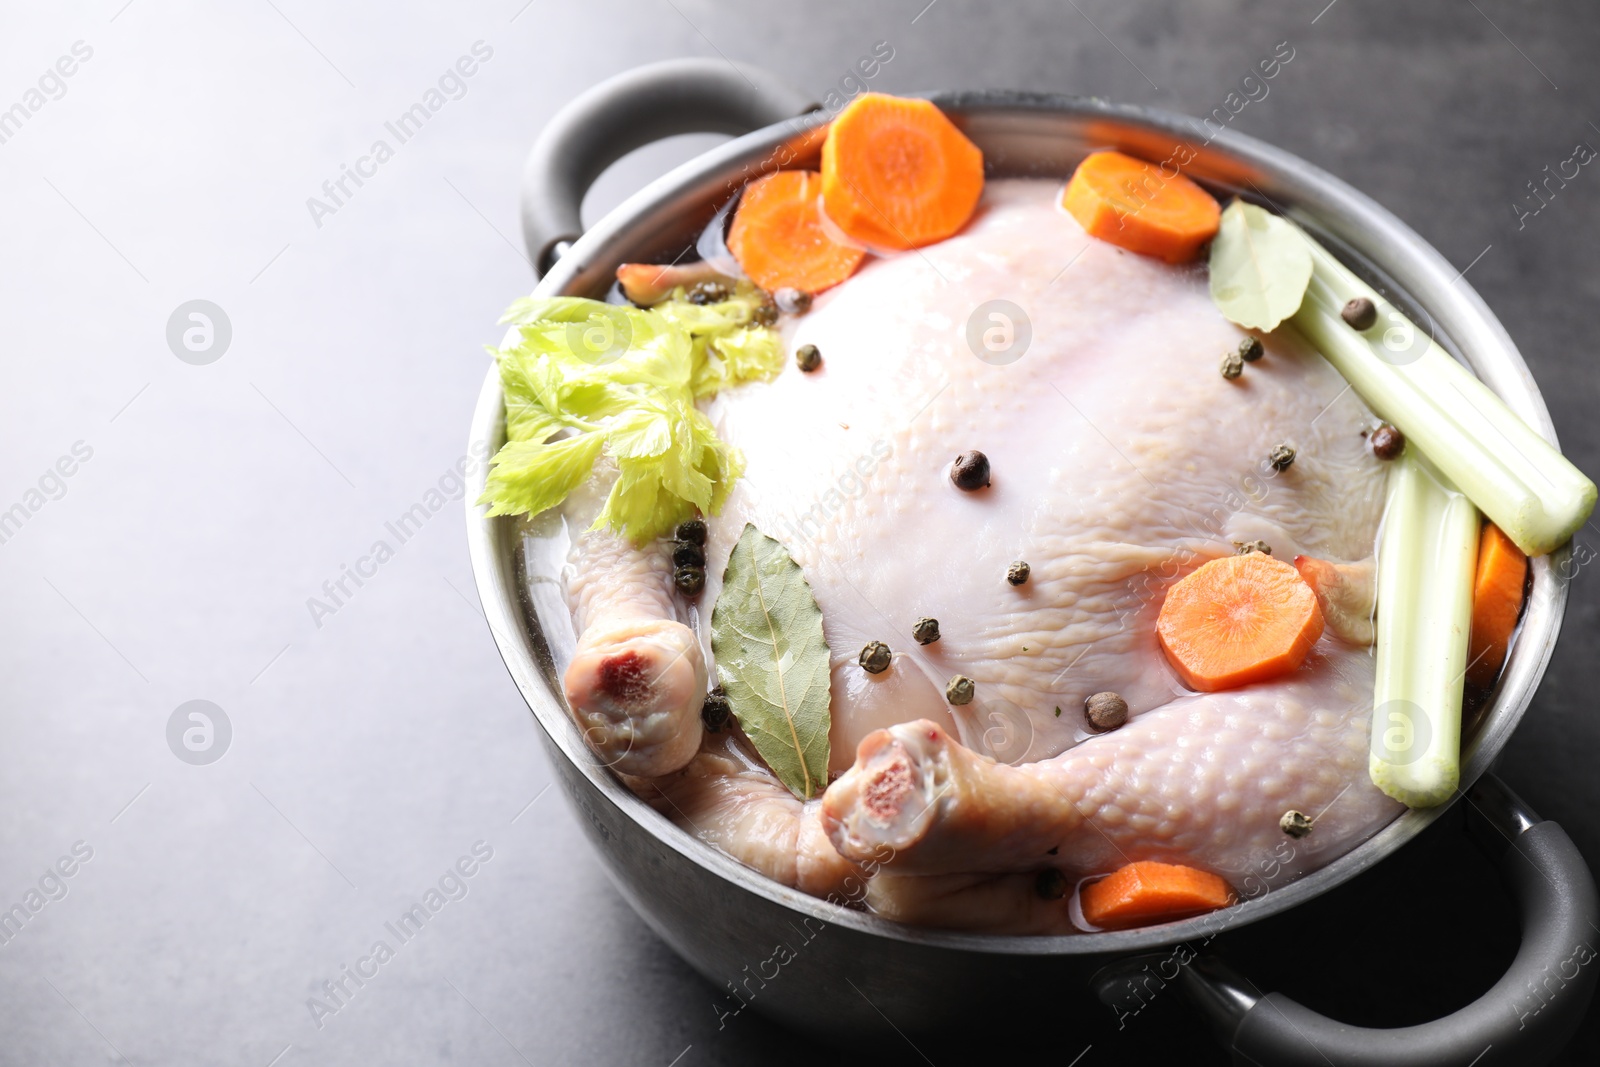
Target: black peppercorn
689, 554
715, 711
1250, 349
807, 358
1244, 548
689, 580
792, 301
1359, 313
1018, 572
1387, 442
970, 471
926, 631
1105, 711
692, 530
1051, 884
1281, 458
1232, 365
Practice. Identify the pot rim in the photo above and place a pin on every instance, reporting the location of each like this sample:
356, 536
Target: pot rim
1367, 236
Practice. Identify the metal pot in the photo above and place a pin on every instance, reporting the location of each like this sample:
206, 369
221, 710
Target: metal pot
925, 979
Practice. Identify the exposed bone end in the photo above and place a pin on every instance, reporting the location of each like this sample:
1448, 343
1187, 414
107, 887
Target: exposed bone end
886, 802
1347, 594
635, 690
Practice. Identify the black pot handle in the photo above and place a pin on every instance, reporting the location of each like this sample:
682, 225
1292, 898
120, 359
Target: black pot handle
625, 112
1526, 1018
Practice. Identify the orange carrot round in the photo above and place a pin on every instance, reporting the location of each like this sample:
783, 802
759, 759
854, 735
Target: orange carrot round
778, 239
1136, 206
1150, 892
1238, 620
897, 174
1496, 603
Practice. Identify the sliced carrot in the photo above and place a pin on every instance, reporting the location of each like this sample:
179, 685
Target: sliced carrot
648, 284
1150, 892
1237, 620
897, 174
778, 239
1136, 206
1496, 603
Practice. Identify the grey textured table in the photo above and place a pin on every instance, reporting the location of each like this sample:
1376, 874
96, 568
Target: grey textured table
198, 548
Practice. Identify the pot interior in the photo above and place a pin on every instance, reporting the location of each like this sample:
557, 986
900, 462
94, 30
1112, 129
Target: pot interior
517, 562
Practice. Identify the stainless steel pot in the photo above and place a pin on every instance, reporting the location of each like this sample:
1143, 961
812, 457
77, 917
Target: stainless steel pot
843, 971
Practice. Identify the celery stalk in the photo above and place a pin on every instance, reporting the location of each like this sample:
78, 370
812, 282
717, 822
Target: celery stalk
1511, 473
1427, 552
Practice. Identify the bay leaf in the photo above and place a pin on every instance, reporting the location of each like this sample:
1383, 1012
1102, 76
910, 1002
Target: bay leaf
1260, 267
772, 660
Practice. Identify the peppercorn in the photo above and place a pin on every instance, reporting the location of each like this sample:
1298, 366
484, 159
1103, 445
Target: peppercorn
689, 554
807, 358
1017, 573
1050, 885
764, 314
1359, 313
1105, 711
709, 292
874, 658
1244, 548
926, 630
1232, 365
1281, 457
960, 690
970, 471
689, 580
1387, 442
715, 711
1295, 823
792, 301
691, 530
1250, 349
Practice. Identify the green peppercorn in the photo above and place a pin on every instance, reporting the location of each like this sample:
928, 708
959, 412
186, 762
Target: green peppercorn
1281, 458
1105, 711
689, 554
807, 358
970, 471
960, 690
1295, 823
1250, 349
1051, 884
689, 580
709, 292
792, 301
875, 657
1232, 365
715, 711
1017, 573
764, 314
1359, 313
691, 530
926, 631
1387, 442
